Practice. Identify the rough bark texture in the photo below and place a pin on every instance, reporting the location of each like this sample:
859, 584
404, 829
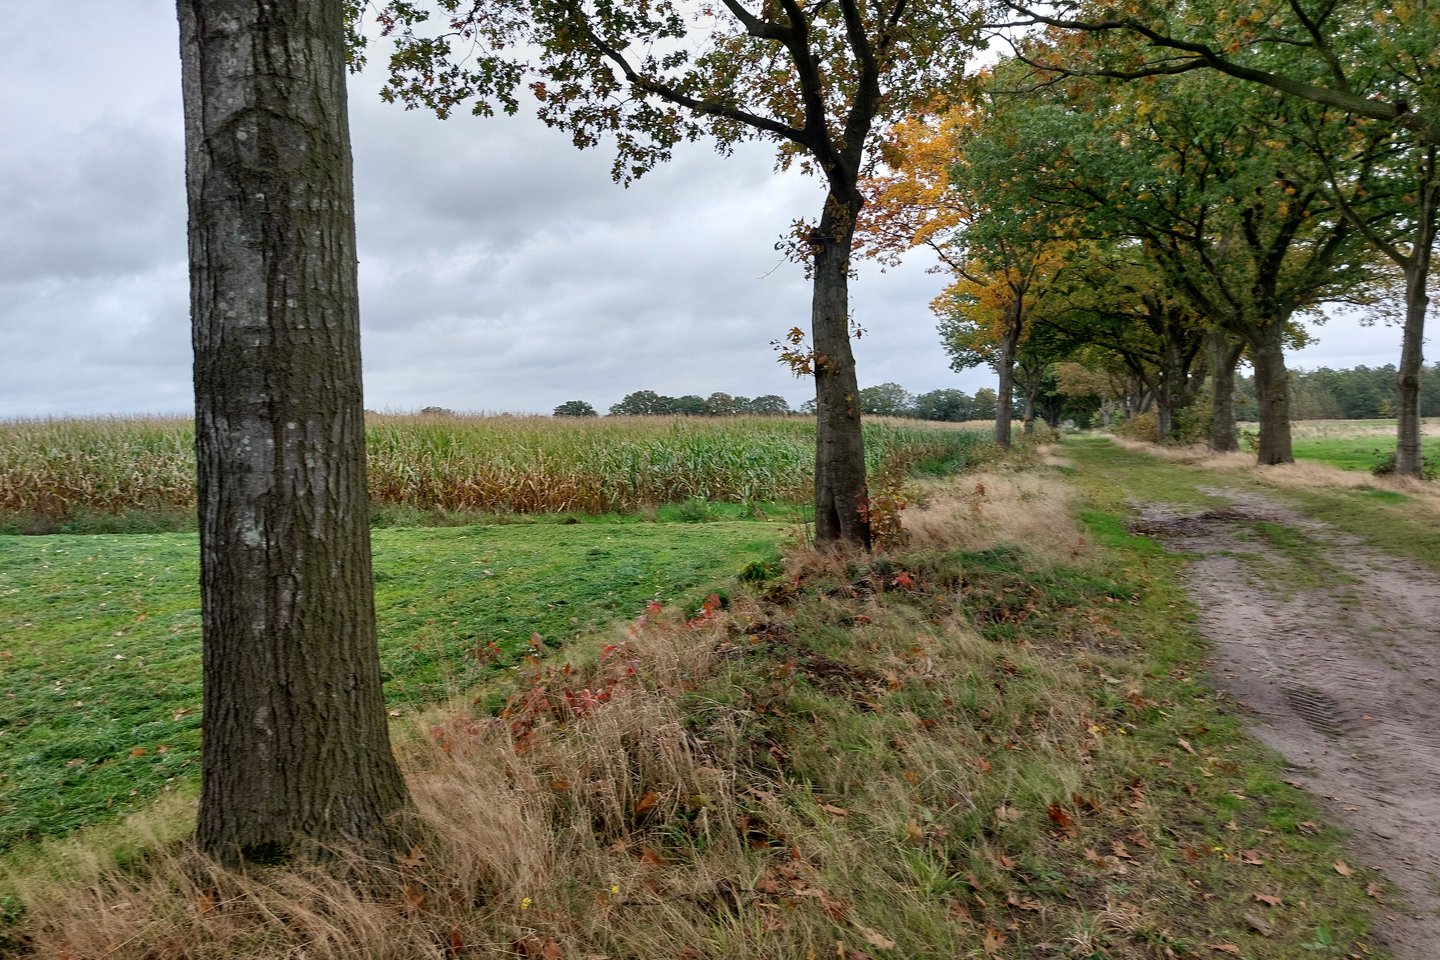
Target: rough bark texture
841, 497
1005, 389
1224, 356
1408, 453
296, 748
1409, 460
1272, 387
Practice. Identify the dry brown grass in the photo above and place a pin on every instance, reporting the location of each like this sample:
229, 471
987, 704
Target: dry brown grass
996, 506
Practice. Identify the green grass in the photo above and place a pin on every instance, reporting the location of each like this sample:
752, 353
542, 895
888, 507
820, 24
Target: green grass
1353, 453
100, 638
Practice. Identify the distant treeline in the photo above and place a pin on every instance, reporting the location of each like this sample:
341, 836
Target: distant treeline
1361, 393
886, 400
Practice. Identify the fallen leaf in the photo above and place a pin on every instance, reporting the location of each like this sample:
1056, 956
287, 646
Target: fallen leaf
413, 859
1343, 868
1002, 861
993, 940
768, 884
1063, 820
1373, 890
1229, 948
1008, 814
834, 811
645, 803
1257, 923
414, 897
914, 831
550, 950
1267, 899
877, 939
1253, 857
1185, 745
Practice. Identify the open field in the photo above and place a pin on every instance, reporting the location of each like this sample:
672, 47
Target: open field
137, 475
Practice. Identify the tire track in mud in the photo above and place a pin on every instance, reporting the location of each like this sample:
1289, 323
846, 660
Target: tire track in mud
1339, 664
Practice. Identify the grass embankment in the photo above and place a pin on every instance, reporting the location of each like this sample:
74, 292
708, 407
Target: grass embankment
135, 475
990, 743
100, 638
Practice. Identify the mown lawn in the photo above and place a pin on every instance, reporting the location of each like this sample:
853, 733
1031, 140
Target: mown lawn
100, 638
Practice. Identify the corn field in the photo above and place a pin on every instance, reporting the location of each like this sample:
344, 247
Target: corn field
494, 464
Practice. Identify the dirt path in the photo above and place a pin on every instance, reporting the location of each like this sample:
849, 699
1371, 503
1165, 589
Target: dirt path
1335, 649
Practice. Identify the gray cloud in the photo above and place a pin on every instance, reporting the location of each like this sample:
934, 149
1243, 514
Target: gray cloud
500, 269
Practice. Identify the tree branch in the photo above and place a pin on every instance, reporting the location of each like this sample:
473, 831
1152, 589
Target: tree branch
1396, 111
678, 97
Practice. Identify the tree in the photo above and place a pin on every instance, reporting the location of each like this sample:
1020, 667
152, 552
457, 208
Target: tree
950, 406
296, 749
574, 408
769, 405
818, 80
886, 400
642, 403
1199, 170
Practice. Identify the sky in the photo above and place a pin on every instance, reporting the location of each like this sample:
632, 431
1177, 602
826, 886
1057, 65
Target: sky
501, 270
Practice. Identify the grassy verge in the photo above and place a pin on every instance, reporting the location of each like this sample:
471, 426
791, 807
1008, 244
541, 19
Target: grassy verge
100, 639
992, 742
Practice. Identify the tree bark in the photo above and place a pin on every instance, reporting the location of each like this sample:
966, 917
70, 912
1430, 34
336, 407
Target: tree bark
1224, 357
1005, 390
1272, 386
1409, 456
296, 749
842, 501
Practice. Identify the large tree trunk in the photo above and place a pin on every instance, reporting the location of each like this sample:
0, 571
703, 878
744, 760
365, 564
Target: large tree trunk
1409, 457
1272, 387
1005, 368
1224, 357
841, 499
296, 750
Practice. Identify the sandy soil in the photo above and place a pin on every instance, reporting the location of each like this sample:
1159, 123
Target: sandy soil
1339, 665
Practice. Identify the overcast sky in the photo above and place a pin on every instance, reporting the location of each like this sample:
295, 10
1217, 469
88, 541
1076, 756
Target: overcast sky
500, 268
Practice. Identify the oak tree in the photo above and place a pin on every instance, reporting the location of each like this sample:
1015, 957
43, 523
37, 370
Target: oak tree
296, 749
817, 79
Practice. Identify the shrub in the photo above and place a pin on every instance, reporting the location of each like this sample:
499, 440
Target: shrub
1141, 427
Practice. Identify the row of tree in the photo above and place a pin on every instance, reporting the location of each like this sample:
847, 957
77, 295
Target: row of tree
1155, 234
